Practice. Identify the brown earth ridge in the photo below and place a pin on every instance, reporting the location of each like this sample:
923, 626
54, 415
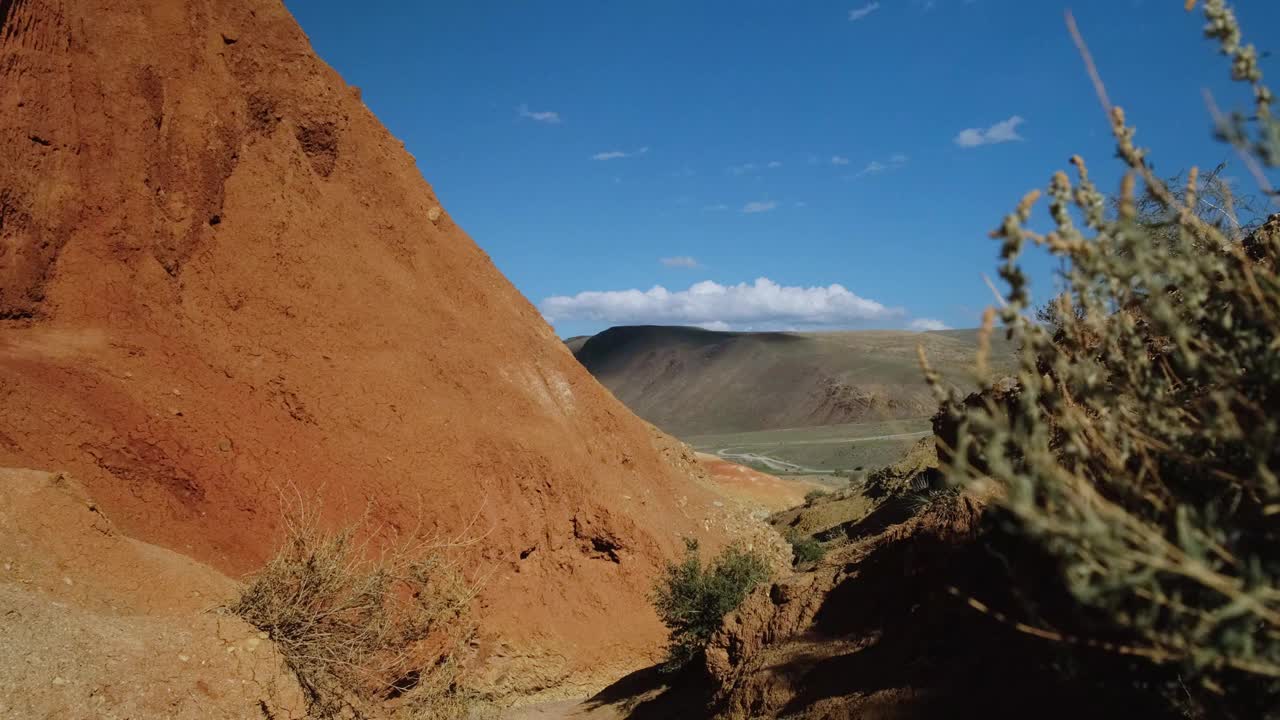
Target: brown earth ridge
222, 281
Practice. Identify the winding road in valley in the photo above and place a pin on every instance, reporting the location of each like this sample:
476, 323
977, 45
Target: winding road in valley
789, 467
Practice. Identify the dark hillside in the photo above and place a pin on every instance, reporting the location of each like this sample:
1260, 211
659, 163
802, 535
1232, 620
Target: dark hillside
691, 381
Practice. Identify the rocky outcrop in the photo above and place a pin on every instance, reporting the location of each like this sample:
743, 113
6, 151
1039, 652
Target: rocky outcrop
948, 420
775, 656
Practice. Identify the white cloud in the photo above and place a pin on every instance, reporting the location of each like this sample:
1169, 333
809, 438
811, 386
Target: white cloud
759, 206
859, 13
679, 261
761, 303
546, 116
1002, 132
838, 160
715, 325
875, 167
616, 154
751, 167
926, 324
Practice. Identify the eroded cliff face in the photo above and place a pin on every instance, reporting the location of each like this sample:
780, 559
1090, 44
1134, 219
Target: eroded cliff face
850, 637
222, 280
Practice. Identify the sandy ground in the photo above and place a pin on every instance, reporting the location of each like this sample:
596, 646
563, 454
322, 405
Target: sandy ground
96, 624
566, 710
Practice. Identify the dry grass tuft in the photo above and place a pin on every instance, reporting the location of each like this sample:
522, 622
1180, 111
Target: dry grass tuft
364, 622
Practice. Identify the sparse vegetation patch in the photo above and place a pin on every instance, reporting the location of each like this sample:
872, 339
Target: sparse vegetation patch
360, 627
815, 495
692, 598
806, 550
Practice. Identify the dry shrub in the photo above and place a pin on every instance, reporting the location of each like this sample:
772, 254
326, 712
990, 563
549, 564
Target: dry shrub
363, 622
815, 495
1141, 448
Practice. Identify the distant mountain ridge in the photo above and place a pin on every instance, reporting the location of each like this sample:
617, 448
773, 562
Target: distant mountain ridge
691, 381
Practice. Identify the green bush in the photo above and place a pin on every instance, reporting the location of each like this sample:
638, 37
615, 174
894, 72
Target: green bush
806, 549
692, 599
1141, 447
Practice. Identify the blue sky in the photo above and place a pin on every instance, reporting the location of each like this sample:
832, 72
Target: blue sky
870, 145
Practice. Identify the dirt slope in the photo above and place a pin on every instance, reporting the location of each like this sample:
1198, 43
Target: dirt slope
690, 381
881, 627
222, 279
766, 492
99, 625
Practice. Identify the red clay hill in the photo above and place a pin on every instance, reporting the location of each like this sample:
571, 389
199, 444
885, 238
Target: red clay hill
222, 280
